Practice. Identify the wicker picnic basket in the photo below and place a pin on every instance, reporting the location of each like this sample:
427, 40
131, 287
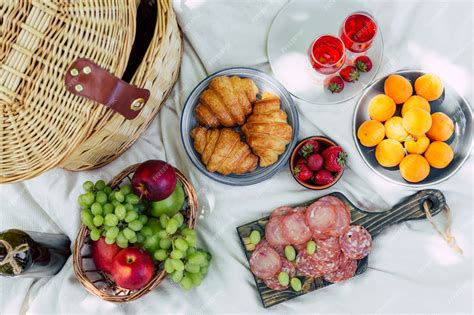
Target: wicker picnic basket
101, 284
42, 124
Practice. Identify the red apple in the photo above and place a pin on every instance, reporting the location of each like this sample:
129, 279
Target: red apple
103, 254
132, 268
154, 180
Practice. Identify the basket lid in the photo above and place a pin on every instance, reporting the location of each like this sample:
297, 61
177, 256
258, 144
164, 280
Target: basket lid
40, 121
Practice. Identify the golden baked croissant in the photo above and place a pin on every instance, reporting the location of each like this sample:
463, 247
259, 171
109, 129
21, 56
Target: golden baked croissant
266, 130
222, 151
226, 102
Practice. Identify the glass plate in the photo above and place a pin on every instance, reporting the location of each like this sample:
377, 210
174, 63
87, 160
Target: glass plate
264, 83
293, 30
450, 103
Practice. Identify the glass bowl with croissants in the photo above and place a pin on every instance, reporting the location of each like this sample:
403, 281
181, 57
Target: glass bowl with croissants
239, 126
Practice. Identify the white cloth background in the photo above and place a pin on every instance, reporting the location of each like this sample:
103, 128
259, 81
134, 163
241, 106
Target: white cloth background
411, 269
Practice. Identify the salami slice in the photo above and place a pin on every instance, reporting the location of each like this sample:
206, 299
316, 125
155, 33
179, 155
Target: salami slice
321, 217
327, 249
325, 266
343, 216
299, 209
347, 269
287, 267
274, 233
281, 211
265, 262
356, 243
294, 228
305, 265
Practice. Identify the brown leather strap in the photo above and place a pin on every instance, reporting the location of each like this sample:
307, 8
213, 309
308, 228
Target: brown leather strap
87, 79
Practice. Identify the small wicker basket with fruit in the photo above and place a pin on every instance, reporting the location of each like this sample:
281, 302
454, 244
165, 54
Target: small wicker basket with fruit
136, 230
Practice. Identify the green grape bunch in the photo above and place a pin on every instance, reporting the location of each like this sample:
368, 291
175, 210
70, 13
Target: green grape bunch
121, 217
173, 244
118, 214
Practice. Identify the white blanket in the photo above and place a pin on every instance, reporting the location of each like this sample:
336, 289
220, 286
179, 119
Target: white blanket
411, 269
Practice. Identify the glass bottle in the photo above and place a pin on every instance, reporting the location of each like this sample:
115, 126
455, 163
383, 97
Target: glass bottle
32, 254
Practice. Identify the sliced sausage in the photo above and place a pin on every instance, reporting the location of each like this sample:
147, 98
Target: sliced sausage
347, 269
287, 267
294, 228
274, 232
321, 217
356, 243
265, 262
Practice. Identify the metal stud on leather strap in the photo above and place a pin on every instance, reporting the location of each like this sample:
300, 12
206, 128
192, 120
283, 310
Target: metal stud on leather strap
89, 80
137, 104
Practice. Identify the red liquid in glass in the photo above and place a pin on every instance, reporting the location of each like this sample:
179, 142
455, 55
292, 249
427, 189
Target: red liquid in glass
327, 54
358, 32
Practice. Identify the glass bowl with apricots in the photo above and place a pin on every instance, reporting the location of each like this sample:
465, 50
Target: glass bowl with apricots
412, 128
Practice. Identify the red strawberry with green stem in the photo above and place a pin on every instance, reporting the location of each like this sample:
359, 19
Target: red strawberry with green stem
302, 172
309, 147
335, 84
363, 64
349, 74
334, 159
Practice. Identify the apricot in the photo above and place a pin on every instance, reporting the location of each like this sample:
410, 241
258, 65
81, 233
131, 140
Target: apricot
398, 88
389, 153
381, 107
442, 127
394, 129
439, 154
414, 168
429, 86
415, 101
417, 145
417, 121
370, 133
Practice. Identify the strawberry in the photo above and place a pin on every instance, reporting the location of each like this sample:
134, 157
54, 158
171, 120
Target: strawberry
309, 147
335, 84
349, 74
315, 162
334, 158
363, 64
302, 172
300, 161
323, 177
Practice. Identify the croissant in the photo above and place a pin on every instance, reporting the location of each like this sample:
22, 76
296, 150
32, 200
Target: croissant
266, 130
222, 151
226, 102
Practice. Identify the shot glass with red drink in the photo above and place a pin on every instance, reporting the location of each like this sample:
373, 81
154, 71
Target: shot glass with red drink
358, 31
327, 54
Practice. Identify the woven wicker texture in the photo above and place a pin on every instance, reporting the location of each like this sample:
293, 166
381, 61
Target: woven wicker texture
40, 122
101, 284
158, 72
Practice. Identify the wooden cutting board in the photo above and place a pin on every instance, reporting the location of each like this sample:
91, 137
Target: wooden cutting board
410, 208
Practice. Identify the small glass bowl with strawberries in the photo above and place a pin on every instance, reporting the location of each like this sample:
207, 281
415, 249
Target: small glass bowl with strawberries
317, 162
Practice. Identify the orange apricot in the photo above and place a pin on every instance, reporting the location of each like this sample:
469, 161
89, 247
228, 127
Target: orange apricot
389, 153
439, 154
370, 133
429, 86
398, 88
442, 127
415, 101
417, 121
381, 107
414, 168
